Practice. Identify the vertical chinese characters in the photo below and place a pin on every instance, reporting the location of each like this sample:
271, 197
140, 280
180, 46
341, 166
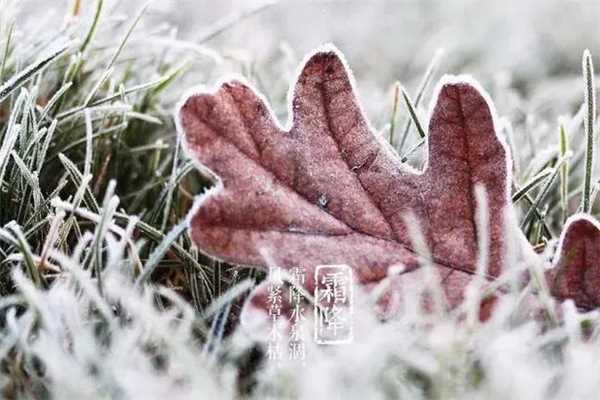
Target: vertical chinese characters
333, 304
274, 301
296, 343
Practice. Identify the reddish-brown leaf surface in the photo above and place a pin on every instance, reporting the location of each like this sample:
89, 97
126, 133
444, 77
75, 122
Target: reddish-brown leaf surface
328, 190
576, 274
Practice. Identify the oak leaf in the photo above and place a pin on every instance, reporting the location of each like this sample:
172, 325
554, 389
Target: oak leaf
576, 272
328, 190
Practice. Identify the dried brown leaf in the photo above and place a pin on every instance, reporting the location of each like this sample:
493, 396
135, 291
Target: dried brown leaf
328, 190
576, 273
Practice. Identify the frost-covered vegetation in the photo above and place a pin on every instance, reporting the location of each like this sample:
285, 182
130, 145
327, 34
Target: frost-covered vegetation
104, 296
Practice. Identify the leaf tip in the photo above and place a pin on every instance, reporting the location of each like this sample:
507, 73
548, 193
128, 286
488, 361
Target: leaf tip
327, 56
576, 269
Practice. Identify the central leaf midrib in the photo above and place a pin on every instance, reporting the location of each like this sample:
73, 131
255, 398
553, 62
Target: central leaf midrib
325, 101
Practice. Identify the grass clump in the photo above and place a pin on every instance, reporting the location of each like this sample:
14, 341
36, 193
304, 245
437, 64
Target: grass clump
83, 120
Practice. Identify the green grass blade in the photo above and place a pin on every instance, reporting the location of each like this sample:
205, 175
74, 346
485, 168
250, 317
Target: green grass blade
11, 134
413, 114
590, 101
543, 192
134, 89
123, 41
109, 207
6, 50
16, 81
420, 143
54, 100
564, 171
89, 149
427, 77
31, 179
77, 179
28, 257
531, 184
93, 28
394, 112
160, 251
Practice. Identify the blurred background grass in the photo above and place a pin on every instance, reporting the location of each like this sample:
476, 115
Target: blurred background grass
522, 42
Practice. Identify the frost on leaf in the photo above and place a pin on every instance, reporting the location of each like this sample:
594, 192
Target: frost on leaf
328, 190
576, 274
